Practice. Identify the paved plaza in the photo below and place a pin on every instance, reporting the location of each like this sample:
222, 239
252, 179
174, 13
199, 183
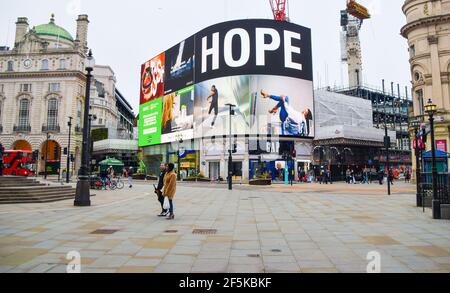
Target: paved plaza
305, 228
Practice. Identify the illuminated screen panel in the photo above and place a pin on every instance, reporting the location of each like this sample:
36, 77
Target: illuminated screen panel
150, 123
177, 120
261, 66
265, 104
152, 79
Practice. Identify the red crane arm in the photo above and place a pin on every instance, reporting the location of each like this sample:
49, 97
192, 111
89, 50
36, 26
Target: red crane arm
279, 9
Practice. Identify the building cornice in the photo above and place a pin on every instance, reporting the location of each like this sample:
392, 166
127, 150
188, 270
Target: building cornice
40, 74
346, 141
432, 20
61, 51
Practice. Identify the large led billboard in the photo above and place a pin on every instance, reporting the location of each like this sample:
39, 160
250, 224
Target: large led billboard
262, 67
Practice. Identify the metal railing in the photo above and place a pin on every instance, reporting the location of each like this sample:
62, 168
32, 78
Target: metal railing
426, 188
22, 128
51, 128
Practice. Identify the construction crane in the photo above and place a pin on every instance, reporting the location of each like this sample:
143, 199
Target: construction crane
280, 10
351, 21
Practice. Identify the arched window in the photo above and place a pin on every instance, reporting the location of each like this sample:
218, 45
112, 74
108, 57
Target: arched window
62, 63
10, 65
79, 111
24, 114
52, 114
44, 64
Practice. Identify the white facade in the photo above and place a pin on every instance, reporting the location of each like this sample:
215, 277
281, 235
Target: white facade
42, 83
342, 116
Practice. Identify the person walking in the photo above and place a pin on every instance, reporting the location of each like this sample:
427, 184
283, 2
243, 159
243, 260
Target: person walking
408, 176
130, 176
170, 187
348, 176
159, 188
391, 177
380, 176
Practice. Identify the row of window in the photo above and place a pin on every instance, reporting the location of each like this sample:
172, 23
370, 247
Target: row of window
44, 65
53, 87
23, 121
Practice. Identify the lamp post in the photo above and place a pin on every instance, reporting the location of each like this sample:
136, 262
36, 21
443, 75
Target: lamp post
46, 155
387, 139
82, 196
180, 141
230, 156
417, 149
68, 152
431, 110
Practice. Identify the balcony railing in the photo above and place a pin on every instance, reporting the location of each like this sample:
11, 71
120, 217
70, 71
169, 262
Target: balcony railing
78, 129
51, 128
22, 128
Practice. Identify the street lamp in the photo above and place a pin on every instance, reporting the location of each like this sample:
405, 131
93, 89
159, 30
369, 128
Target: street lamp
82, 196
68, 152
230, 156
417, 149
46, 155
431, 110
180, 141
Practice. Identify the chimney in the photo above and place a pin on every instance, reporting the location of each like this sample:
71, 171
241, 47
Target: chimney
82, 30
21, 29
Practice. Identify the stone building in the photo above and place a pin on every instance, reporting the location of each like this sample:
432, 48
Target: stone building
114, 118
42, 83
428, 34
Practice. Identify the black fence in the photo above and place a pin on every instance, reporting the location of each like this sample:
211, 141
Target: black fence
426, 188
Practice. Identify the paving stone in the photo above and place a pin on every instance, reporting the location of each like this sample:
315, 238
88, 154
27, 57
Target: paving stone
300, 231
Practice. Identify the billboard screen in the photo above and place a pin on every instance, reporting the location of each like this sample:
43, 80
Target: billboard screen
179, 67
261, 66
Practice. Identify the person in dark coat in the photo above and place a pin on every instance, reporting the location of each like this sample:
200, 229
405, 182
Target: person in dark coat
159, 188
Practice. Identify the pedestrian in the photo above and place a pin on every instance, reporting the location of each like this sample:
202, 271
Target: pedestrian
130, 176
348, 176
408, 176
365, 176
352, 177
391, 176
159, 188
170, 187
380, 176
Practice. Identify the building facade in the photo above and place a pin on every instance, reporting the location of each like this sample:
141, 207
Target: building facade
347, 137
390, 110
428, 34
113, 118
42, 83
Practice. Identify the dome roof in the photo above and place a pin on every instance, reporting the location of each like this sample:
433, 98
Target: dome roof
51, 29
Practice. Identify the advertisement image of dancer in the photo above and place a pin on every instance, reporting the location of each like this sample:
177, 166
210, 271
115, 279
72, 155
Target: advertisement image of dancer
293, 123
213, 99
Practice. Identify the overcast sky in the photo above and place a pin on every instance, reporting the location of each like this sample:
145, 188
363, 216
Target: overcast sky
124, 34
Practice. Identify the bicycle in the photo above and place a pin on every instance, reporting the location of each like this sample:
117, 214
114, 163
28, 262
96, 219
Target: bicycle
119, 183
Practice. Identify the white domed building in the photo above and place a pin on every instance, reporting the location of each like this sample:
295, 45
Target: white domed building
42, 84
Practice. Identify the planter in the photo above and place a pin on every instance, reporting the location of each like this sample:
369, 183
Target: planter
144, 177
260, 182
139, 176
196, 180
